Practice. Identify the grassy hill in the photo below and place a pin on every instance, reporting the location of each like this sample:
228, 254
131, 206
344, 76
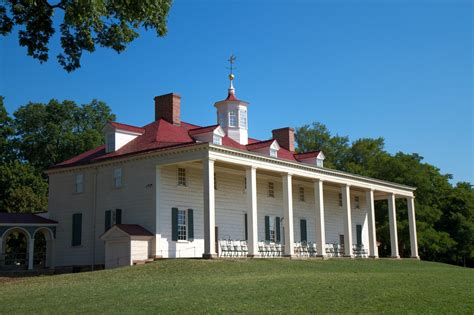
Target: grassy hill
256, 286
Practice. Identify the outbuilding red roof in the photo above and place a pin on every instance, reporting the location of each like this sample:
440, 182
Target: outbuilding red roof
134, 229
23, 218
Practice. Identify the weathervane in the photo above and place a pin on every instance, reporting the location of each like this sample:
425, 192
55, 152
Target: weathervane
231, 68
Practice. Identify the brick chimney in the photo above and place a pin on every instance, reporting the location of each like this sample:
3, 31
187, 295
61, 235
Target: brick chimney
167, 107
285, 138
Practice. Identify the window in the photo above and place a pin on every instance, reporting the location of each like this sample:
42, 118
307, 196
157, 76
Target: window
182, 224
79, 183
271, 190
273, 153
76, 229
222, 120
232, 118
319, 162
215, 181
112, 217
216, 139
303, 231
340, 200
110, 142
359, 235
357, 202
246, 232
181, 176
301, 190
117, 177
272, 229
243, 118
245, 183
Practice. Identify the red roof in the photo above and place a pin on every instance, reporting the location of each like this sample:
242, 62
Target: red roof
126, 127
307, 155
134, 229
24, 218
162, 135
231, 97
201, 130
260, 144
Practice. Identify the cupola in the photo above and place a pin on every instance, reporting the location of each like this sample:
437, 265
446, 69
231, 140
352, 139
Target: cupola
232, 113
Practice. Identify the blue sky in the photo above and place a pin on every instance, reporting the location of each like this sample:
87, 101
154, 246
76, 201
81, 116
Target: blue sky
402, 70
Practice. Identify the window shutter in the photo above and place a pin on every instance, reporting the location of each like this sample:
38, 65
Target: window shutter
304, 236
174, 224
267, 228
359, 234
277, 227
118, 216
76, 229
190, 225
246, 228
108, 219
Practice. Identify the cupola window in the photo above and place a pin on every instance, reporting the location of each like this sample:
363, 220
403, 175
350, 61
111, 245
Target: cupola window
232, 118
243, 118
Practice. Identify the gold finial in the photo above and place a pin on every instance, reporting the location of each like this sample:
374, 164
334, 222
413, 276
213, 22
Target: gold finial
231, 76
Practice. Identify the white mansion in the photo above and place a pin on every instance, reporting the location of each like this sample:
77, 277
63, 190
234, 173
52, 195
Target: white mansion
174, 189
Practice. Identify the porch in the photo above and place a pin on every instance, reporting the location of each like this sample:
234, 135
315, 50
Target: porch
334, 218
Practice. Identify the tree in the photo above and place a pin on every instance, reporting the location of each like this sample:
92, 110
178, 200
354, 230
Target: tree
22, 188
47, 134
6, 133
85, 24
318, 137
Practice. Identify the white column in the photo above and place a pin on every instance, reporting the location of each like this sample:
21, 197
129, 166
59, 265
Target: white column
320, 226
31, 250
392, 218
157, 251
209, 209
252, 226
369, 200
288, 214
412, 227
346, 208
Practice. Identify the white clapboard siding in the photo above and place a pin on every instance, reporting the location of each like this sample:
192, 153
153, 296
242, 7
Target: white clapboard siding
136, 198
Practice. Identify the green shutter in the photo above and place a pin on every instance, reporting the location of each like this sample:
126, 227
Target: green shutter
277, 227
174, 224
359, 234
304, 235
246, 227
118, 216
108, 219
267, 228
76, 229
190, 225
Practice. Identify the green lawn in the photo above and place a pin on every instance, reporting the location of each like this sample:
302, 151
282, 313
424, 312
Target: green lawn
255, 286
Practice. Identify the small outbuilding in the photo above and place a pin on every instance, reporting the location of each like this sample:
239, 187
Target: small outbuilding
126, 244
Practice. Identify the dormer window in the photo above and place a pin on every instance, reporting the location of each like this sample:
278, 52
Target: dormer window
216, 139
319, 162
273, 152
232, 118
243, 118
110, 142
